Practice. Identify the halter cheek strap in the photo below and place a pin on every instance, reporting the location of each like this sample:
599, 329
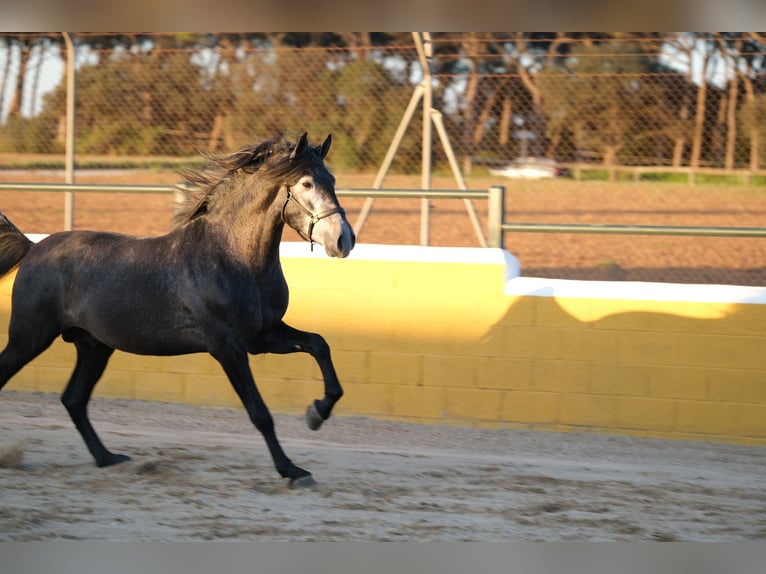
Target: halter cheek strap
314, 218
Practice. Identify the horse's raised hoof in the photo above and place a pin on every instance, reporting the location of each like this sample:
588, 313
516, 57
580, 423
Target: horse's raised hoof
306, 481
112, 459
313, 419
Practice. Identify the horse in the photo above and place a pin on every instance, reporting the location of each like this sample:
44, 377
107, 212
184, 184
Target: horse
213, 284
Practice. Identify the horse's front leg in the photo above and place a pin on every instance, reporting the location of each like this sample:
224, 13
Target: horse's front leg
285, 339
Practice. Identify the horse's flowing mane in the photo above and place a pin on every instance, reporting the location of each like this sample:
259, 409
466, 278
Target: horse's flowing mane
270, 159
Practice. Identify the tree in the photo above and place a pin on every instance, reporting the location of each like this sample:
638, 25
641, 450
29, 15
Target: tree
603, 98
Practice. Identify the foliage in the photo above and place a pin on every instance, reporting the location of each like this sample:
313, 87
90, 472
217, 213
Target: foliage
30, 135
752, 120
606, 100
591, 97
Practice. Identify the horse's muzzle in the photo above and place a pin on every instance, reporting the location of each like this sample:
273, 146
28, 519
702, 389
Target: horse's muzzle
346, 239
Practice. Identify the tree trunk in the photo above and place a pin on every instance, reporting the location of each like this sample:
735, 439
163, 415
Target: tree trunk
486, 111
750, 97
699, 115
4, 77
42, 48
679, 142
469, 114
505, 121
731, 108
25, 51
718, 146
731, 120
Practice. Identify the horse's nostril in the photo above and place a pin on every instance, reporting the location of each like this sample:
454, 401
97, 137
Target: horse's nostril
347, 240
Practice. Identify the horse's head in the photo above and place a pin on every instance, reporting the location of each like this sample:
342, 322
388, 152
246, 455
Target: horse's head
311, 207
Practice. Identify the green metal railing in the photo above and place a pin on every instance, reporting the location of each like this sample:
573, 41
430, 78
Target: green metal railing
497, 226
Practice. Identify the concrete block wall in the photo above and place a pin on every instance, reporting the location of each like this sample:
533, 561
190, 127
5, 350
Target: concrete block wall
454, 336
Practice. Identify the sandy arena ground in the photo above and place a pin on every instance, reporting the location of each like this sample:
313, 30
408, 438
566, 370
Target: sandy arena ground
204, 474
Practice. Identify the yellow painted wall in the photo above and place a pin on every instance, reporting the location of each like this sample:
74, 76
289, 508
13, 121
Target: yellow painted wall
439, 342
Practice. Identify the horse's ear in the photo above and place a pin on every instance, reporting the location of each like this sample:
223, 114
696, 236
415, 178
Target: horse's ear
326, 146
300, 146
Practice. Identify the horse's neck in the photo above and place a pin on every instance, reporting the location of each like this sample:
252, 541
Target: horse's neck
253, 231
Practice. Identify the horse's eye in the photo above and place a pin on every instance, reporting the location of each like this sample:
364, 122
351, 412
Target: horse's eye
308, 184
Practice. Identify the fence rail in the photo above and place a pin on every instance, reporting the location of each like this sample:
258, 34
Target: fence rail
497, 225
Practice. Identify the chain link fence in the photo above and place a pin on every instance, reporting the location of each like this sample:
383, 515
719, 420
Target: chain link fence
608, 128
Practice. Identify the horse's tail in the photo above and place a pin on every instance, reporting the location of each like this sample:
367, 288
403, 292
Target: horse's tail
13, 245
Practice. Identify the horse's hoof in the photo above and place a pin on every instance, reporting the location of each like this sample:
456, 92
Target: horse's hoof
306, 481
113, 459
313, 419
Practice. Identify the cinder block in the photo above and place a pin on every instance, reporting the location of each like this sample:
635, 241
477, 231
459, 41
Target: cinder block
679, 383
51, 379
742, 386
478, 404
646, 413
620, 315
550, 313
428, 338
736, 319
589, 345
365, 338
680, 318
26, 380
458, 371
395, 368
521, 311
293, 366
6, 288
618, 379
351, 366
159, 386
201, 363
419, 402
645, 347
504, 373
588, 410
561, 376
116, 384
708, 418
371, 399
129, 362
531, 407
59, 354
205, 389
533, 342
751, 421
489, 342
734, 352
289, 396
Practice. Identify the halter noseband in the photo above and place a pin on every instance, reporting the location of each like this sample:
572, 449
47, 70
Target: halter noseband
313, 218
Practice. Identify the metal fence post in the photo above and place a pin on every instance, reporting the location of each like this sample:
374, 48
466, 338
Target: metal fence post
496, 216
70, 112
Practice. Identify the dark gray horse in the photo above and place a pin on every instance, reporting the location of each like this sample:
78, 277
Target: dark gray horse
213, 284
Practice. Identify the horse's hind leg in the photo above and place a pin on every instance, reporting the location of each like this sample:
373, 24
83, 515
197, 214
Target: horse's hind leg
235, 364
21, 349
92, 358
12, 359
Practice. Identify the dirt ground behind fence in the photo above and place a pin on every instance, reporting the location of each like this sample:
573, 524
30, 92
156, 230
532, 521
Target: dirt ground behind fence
740, 261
